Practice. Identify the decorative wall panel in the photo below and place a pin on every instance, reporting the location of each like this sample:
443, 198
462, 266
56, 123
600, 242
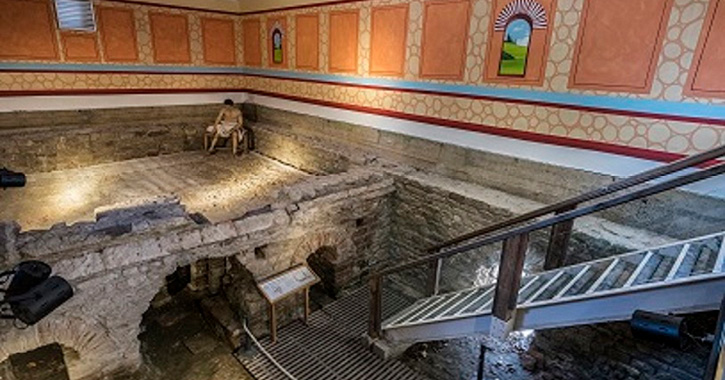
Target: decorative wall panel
707, 76
170, 38
344, 28
307, 44
252, 42
27, 30
445, 32
619, 44
668, 119
218, 37
118, 34
389, 33
80, 47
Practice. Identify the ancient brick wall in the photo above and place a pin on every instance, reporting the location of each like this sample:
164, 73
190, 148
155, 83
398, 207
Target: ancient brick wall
118, 263
675, 213
42, 141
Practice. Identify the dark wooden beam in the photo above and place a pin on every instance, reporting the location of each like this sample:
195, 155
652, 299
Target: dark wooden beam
509, 276
376, 307
558, 243
716, 364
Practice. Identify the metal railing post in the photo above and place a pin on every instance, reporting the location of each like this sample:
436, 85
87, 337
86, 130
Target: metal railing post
434, 278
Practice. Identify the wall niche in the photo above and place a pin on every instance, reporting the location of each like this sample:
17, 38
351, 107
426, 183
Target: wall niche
519, 43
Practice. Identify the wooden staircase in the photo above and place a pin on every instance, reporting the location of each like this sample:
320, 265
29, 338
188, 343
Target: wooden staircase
686, 276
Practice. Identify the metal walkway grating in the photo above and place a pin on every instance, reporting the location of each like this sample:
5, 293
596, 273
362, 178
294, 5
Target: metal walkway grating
330, 347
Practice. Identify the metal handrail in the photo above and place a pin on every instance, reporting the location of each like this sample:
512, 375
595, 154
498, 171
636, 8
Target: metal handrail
570, 215
566, 211
623, 184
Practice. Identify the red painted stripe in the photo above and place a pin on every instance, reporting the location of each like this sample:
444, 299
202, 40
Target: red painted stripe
602, 110
169, 6
609, 111
304, 6
119, 72
232, 13
117, 91
646, 154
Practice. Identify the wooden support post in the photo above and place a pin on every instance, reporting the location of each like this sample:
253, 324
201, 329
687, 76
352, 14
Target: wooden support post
307, 306
376, 307
434, 278
558, 242
508, 282
272, 323
716, 365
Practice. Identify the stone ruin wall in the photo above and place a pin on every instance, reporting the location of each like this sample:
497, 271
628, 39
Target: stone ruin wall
678, 214
41, 141
431, 204
117, 264
378, 206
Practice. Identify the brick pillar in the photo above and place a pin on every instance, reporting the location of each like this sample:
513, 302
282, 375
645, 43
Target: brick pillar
216, 270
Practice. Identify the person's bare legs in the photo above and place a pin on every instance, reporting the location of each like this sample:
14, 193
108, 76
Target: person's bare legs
235, 142
213, 142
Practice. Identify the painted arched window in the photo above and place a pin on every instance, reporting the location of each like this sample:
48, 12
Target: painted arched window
515, 48
277, 53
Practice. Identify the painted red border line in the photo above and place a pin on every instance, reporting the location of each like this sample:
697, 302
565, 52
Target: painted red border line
302, 6
118, 91
609, 111
122, 72
646, 154
239, 13
602, 110
169, 6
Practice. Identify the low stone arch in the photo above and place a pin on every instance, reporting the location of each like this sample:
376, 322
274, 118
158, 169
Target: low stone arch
93, 343
338, 239
334, 252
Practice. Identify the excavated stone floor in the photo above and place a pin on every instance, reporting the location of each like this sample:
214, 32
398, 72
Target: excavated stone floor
219, 186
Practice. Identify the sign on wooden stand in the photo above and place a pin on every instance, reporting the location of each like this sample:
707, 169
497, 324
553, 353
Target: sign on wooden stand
284, 284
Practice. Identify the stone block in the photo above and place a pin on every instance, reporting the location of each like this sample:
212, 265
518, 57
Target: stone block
218, 232
9, 232
220, 315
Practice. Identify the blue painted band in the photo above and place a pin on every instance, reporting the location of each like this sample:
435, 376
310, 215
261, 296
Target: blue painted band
614, 103
694, 110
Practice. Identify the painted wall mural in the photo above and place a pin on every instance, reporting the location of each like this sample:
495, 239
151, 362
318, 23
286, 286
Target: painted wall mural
277, 46
519, 43
528, 69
